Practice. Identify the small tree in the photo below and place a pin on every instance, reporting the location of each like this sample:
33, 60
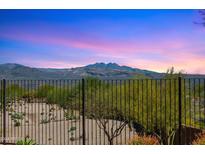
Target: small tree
103, 115
171, 73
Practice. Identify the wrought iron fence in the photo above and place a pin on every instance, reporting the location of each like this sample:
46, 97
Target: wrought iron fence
94, 111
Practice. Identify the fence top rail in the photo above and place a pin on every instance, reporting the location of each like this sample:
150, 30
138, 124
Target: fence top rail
39, 80
201, 78
100, 79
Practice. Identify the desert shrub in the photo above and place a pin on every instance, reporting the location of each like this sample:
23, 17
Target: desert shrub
166, 136
26, 141
63, 95
65, 98
17, 116
70, 115
143, 140
43, 91
200, 140
14, 91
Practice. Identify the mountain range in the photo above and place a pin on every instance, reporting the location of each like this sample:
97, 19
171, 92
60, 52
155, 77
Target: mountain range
100, 70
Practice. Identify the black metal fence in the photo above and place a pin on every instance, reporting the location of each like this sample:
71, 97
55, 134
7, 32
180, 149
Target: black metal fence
93, 111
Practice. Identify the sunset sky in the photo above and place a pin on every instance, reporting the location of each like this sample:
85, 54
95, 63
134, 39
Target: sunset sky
146, 39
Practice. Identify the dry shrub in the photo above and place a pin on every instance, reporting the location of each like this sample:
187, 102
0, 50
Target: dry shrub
143, 140
200, 140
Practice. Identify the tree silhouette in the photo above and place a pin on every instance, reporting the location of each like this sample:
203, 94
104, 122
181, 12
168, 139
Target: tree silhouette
104, 115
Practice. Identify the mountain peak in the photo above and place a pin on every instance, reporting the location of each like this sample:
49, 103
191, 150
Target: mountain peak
113, 64
103, 65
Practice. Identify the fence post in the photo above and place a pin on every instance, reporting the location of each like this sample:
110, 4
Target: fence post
4, 110
180, 107
83, 108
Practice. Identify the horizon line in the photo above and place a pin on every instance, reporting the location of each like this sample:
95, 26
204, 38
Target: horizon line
58, 68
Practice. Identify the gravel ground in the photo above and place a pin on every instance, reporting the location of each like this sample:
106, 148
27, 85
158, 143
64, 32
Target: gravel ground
58, 131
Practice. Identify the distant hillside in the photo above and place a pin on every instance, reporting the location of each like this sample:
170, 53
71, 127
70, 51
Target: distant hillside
100, 70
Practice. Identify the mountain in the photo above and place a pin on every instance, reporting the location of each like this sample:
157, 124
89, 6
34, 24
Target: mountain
100, 70
16, 71
113, 70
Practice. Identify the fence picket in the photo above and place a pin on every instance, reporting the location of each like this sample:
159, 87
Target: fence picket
64, 111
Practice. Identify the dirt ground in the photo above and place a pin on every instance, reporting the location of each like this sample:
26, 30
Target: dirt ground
46, 124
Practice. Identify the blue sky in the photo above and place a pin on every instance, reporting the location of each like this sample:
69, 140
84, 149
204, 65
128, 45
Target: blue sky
146, 39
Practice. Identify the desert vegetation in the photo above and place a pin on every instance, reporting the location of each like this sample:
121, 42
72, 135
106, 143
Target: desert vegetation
26, 141
142, 105
144, 140
200, 140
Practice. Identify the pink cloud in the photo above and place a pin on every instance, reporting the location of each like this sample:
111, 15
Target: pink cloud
98, 44
181, 53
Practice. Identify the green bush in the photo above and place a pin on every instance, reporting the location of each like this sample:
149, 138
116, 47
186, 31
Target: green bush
26, 141
60, 95
17, 116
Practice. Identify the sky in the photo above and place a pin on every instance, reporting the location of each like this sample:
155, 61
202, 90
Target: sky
147, 39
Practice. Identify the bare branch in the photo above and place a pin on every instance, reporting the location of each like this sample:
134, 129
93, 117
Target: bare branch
102, 114
118, 131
